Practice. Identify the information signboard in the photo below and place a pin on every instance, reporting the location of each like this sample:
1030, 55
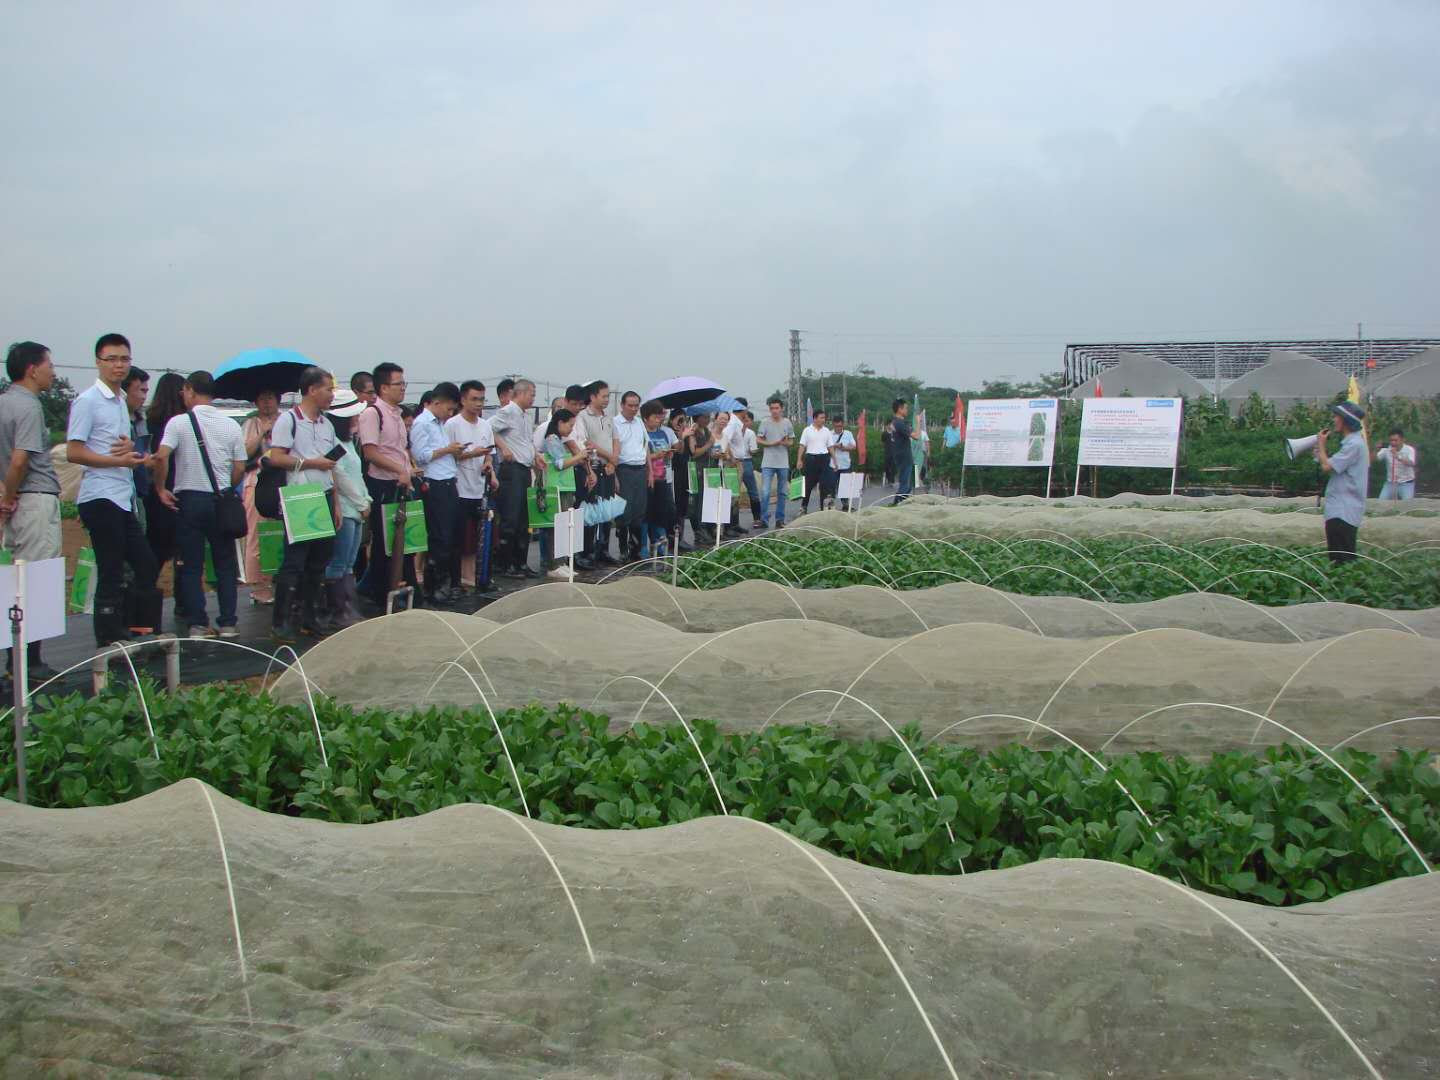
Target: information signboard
1141, 433
1010, 431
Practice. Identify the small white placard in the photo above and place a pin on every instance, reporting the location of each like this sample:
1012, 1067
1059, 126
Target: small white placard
715, 509
44, 600
851, 484
569, 533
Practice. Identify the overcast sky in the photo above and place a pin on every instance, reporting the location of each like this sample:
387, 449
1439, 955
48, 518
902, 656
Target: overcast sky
639, 190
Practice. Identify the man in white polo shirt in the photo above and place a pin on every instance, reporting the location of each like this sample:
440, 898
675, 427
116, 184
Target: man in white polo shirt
515, 437
437, 453
632, 474
303, 441
740, 445
842, 443
99, 439
195, 501
815, 440
474, 479
1398, 457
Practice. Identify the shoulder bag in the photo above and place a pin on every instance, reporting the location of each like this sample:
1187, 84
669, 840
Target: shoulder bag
229, 510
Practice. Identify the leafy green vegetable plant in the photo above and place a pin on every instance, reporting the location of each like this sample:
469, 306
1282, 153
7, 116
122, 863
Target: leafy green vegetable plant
1281, 827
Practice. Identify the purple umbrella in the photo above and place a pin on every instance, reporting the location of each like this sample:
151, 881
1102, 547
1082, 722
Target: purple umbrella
686, 390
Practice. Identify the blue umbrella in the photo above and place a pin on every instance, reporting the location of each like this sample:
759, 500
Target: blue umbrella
723, 403
244, 377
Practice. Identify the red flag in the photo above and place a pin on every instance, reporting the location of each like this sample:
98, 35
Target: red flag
860, 437
1099, 390
958, 418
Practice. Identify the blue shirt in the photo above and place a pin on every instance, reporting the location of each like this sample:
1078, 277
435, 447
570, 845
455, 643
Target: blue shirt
99, 419
1349, 480
427, 435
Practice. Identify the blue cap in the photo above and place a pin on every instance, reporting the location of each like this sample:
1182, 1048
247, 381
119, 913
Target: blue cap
1352, 413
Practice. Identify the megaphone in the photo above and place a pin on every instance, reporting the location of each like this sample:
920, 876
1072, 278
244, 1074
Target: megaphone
1299, 447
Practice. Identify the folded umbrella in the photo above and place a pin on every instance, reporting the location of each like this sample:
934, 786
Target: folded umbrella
686, 390
244, 377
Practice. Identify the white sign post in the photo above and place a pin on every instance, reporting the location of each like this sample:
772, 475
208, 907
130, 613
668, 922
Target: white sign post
1140, 433
569, 536
716, 509
1015, 432
849, 488
33, 595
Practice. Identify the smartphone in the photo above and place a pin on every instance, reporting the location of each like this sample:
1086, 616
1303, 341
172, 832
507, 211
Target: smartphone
336, 452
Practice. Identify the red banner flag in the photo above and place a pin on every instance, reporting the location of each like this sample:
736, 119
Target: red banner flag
958, 418
860, 437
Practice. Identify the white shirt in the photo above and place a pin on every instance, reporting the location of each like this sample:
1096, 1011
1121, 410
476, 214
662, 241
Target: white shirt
1403, 469
736, 441
223, 443
470, 473
733, 427
843, 443
634, 440
815, 440
511, 427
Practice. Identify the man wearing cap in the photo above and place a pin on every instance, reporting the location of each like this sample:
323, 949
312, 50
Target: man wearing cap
1349, 472
352, 500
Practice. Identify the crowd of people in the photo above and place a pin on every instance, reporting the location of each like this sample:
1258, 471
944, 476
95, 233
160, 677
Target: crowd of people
168, 477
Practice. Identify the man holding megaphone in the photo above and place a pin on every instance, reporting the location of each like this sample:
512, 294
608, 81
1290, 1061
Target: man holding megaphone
1349, 471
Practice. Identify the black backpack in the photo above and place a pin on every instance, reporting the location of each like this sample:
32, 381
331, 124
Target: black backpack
271, 479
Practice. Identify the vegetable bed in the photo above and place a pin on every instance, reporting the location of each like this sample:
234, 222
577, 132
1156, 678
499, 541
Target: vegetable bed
1122, 571
1280, 827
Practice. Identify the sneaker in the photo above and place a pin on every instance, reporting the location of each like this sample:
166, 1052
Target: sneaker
229, 632
560, 573
201, 632
759, 526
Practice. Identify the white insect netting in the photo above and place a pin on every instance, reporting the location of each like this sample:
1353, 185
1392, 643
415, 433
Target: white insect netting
1133, 500
185, 934
880, 612
932, 517
1168, 689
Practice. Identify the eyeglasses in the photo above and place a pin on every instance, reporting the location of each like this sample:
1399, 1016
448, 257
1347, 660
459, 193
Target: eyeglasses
396, 382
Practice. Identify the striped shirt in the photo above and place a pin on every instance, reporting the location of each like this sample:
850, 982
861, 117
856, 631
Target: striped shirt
304, 438
223, 442
513, 430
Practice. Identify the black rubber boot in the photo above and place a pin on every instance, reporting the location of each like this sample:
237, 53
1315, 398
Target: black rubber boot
282, 625
341, 614
109, 626
314, 619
